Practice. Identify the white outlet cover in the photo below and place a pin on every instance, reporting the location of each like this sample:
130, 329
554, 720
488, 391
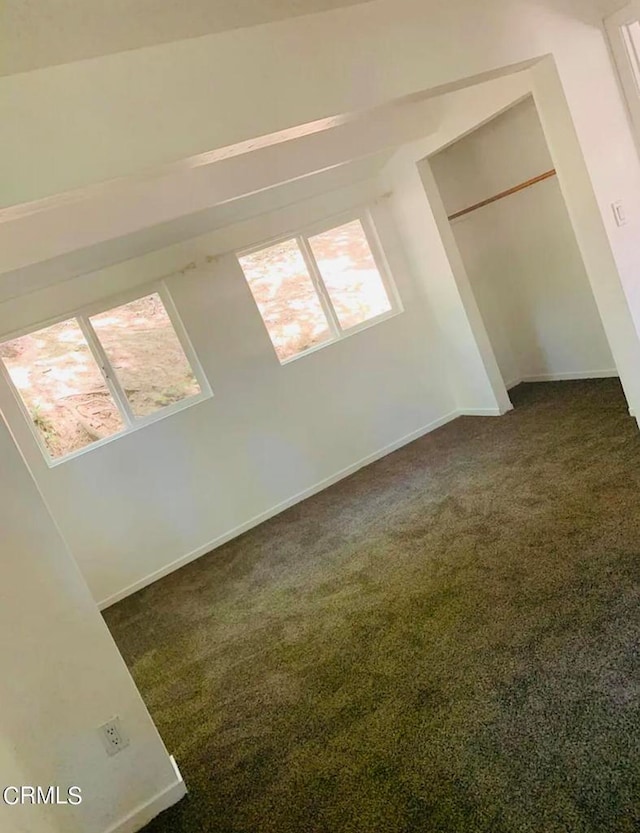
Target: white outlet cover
113, 736
619, 213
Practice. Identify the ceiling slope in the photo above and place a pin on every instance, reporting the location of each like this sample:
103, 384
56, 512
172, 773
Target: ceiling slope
41, 33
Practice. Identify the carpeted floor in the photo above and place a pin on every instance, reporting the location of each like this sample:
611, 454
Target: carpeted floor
446, 641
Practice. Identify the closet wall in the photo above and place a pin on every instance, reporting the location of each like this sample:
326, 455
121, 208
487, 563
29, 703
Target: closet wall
520, 252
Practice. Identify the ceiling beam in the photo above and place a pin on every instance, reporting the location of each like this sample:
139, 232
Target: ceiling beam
46, 229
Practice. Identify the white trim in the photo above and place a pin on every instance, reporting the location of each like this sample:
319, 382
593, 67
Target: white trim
571, 375
359, 211
352, 331
82, 317
104, 363
279, 507
324, 484
568, 376
118, 185
95, 308
361, 214
513, 384
146, 812
616, 27
141, 422
321, 290
483, 412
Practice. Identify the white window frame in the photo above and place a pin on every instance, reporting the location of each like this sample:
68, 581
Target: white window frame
301, 237
626, 60
82, 316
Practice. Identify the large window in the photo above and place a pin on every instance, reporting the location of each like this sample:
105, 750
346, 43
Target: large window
103, 372
313, 289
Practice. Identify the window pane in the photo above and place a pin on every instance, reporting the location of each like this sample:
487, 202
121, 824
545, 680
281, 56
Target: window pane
146, 354
286, 297
350, 274
62, 387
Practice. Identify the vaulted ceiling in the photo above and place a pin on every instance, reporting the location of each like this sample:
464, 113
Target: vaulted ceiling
40, 33
610, 6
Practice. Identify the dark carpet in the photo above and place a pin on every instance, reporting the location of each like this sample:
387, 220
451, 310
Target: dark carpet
446, 641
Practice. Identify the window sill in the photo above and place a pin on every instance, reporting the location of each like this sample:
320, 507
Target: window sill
170, 410
352, 331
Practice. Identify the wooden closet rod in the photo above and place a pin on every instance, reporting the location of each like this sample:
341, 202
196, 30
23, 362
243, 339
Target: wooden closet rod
504, 194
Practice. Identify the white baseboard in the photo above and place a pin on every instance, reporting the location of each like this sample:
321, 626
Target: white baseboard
482, 412
329, 481
568, 376
144, 813
280, 507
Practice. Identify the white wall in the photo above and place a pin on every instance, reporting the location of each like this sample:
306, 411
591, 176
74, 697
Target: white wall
121, 115
62, 677
81, 259
102, 120
473, 372
145, 503
136, 505
520, 253
471, 369
101, 117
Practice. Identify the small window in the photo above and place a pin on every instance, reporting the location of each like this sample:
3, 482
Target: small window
350, 274
287, 299
94, 376
314, 290
62, 388
146, 355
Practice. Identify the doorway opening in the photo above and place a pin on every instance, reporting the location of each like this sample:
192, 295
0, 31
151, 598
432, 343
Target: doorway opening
512, 228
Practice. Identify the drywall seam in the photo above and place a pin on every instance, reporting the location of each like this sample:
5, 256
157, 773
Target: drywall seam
144, 813
283, 505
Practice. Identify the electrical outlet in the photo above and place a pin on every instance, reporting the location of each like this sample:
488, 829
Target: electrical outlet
619, 213
113, 737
